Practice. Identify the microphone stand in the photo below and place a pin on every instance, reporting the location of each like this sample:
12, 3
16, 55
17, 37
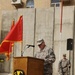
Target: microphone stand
22, 52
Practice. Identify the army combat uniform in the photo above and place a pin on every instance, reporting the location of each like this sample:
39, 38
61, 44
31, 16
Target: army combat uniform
64, 67
49, 57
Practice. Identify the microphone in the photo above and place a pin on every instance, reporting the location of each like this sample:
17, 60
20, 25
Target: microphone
30, 46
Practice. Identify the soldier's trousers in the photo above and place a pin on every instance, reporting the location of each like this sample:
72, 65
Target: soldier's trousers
64, 73
48, 74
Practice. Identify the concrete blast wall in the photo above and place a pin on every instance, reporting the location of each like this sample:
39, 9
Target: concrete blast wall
41, 23
60, 38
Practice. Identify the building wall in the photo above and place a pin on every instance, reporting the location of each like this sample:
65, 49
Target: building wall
6, 5
41, 3
7, 18
42, 23
72, 2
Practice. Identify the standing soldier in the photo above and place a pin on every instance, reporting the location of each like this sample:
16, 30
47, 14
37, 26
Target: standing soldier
64, 66
47, 54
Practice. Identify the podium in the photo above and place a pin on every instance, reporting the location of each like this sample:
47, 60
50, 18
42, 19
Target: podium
28, 66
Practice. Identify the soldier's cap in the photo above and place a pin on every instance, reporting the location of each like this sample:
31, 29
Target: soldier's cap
40, 41
64, 55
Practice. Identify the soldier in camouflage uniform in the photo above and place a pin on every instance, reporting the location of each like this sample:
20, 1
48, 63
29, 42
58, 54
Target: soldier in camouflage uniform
64, 66
48, 55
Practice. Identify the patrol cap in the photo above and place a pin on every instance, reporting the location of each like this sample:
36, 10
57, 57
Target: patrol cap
64, 55
40, 41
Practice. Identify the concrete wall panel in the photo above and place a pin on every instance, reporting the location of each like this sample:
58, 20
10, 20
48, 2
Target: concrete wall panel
7, 18
60, 49
60, 38
28, 29
44, 26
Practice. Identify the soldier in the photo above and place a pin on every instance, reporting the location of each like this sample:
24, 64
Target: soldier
47, 54
64, 66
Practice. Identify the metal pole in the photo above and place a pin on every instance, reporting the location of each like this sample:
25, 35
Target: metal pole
69, 59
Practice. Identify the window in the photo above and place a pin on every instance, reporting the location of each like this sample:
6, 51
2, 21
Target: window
55, 3
30, 4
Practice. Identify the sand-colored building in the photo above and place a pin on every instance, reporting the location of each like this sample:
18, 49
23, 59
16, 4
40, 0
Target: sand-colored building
13, 4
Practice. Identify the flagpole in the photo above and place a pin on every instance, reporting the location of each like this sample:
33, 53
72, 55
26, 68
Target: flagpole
21, 49
22, 39
61, 15
12, 57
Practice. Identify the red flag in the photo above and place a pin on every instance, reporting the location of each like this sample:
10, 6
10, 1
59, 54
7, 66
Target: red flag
6, 47
2, 50
9, 44
16, 32
9, 50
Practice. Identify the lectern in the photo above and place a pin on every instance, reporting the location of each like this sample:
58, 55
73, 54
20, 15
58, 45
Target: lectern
28, 66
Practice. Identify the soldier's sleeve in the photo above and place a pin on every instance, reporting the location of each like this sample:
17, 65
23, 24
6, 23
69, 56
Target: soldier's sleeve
51, 56
36, 55
69, 64
59, 65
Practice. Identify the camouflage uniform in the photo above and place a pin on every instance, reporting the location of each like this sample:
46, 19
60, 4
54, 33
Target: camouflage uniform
49, 57
64, 67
